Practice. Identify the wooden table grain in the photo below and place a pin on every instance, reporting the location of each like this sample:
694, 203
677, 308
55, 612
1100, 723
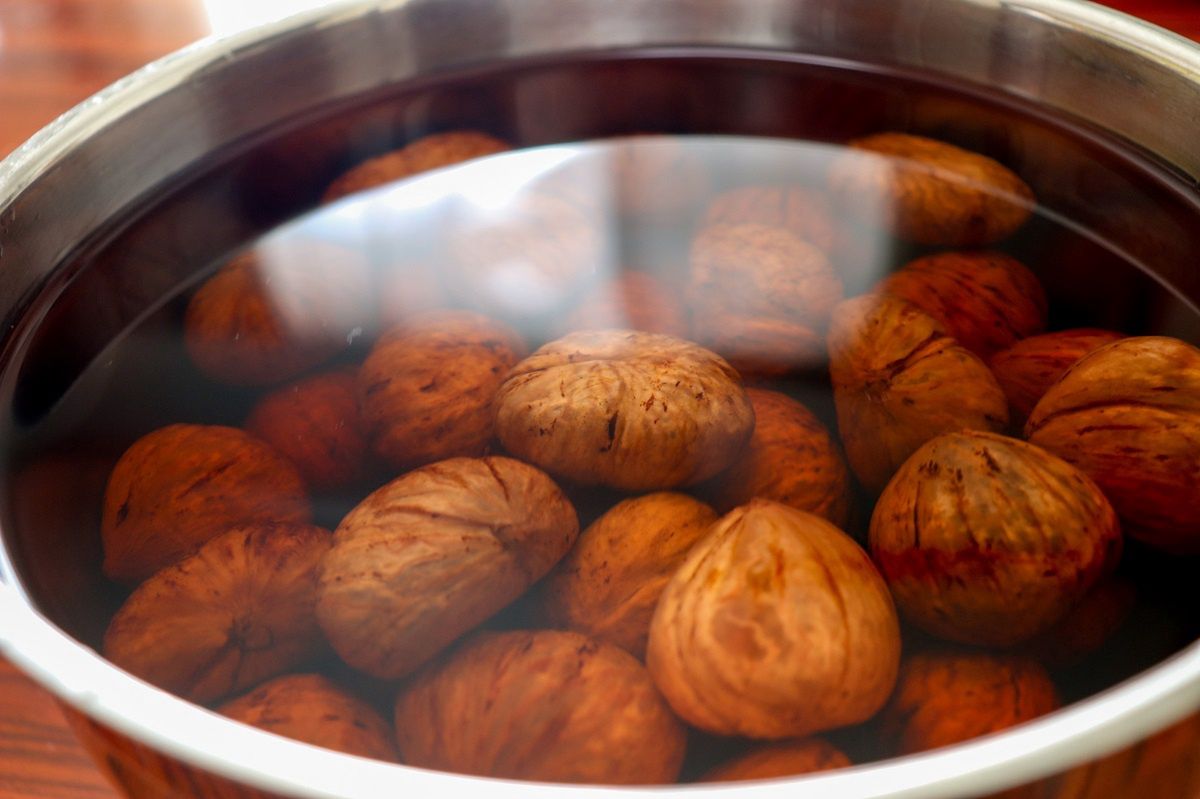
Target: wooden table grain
53, 54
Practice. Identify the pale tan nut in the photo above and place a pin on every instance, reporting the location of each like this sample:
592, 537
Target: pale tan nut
608, 585
946, 698
776, 626
931, 192
278, 310
791, 458
986, 539
803, 211
987, 301
752, 277
1087, 626
434, 553
180, 485
545, 705
898, 381
1028, 368
238, 611
635, 411
787, 759
312, 709
631, 300
1128, 415
656, 176
316, 424
429, 152
426, 388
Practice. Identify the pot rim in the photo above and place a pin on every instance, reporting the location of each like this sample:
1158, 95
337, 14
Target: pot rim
79, 677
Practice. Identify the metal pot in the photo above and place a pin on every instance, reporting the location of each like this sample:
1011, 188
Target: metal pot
132, 140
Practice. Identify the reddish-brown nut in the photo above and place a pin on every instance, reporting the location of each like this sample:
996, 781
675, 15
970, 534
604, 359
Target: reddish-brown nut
776, 626
947, 698
760, 296
631, 410
312, 709
426, 389
791, 458
316, 424
803, 211
1128, 415
898, 381
987, 301
430, 152
1028, 368
1087, 626
238, 611
542, 705
608, 585
278, 310
986, 539
931, 192
805, 756
631, 301
655, 176
434, 553
180, 485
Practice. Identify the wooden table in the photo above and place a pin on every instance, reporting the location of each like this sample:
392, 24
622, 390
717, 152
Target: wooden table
54, 53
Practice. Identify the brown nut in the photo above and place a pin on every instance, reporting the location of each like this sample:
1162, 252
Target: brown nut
931, 192
544, 705
898, 381
989, 540
947, 698
803, 211
776, 626
434, 553
1128, 415
238, 611
791, 458
656, 176
805, 756
430, 152
1086, 627
987, 301
316, 424
768, 280
278, 310
180, 485
635, 411
310, 708
1028, 368
632, 301
426, 389
608, 585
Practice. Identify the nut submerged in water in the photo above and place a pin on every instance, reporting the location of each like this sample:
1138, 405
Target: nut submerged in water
1027, 369
805, 756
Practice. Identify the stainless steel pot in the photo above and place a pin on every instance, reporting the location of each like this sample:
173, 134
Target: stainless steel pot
127, 143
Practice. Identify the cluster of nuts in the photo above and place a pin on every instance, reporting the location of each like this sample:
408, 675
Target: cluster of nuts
717, 588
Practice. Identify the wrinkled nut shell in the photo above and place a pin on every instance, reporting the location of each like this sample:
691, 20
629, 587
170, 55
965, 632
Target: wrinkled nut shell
608, 585
434, 553
806, 756
986, 301
1128, 415
1027, 369
430, 152
776, 626
310, 708
931, 192
802, 211
426, 388
630, 301
898, 381
791, 458
545, 705
276, 311
989, 540
635, 411
315, 423
947, 698
237, 612
180, 485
